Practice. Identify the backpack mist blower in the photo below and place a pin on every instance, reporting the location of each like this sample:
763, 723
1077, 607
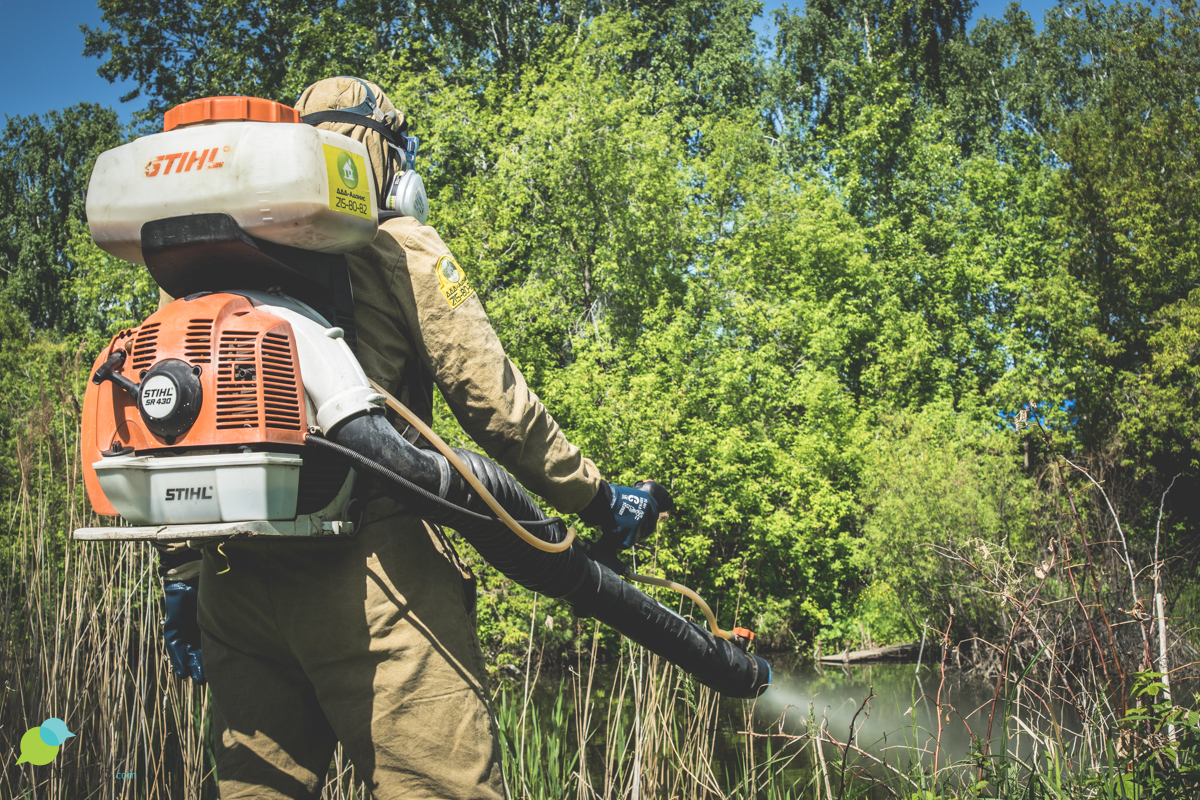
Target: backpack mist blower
240, 410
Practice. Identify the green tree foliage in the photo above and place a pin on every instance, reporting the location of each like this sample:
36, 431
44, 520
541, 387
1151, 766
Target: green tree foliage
274, 48
827, 57
758, 442
1162, 398
939, 483
109, 293
45, 164
807, 285
573, 201
41, 383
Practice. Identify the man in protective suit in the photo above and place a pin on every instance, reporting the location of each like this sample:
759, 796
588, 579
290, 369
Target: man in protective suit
371, 640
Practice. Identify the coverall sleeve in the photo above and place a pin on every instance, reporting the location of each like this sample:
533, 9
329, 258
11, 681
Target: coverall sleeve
484, 389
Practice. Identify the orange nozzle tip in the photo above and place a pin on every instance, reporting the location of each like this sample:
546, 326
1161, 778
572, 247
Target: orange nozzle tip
745, 633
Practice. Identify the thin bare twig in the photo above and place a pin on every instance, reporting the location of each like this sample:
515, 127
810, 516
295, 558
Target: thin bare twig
1087, 552
1124, 551
938, 700
846, 751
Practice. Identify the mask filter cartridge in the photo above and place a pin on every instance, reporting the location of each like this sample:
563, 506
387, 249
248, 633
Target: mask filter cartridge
408, 196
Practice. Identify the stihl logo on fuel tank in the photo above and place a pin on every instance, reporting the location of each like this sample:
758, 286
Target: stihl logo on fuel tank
183, 162
190, 493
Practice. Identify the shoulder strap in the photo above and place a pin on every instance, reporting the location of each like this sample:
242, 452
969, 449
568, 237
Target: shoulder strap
350, 118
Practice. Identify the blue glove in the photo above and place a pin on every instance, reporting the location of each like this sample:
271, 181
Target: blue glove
625, 515
181, 630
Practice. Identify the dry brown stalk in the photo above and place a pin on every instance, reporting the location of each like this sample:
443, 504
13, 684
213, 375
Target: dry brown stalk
1087, 552
846, 752
941, 685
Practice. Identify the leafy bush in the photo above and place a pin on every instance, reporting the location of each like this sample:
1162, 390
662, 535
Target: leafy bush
939, 482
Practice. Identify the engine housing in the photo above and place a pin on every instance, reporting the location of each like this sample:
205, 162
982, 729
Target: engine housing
204, 419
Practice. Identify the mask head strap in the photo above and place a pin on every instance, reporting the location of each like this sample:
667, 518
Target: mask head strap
390, 136
368, 115
366, 108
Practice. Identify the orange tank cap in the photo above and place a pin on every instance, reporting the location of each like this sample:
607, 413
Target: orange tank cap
215, 109
745, 633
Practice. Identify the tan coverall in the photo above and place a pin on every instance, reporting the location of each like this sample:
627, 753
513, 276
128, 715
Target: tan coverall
369, 640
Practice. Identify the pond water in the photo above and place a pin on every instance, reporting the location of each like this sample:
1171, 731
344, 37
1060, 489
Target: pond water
900, 720
893, 708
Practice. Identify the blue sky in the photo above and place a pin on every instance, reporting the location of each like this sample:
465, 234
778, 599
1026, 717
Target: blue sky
42, 54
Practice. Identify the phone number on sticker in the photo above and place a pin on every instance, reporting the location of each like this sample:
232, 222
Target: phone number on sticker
353, 206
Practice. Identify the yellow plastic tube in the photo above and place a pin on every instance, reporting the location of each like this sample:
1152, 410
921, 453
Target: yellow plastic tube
691, 595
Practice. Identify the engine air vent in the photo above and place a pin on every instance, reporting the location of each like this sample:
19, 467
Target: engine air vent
280, 399
237, 380
145, 347
197, 342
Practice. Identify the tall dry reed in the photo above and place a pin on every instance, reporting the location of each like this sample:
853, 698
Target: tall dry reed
81, 627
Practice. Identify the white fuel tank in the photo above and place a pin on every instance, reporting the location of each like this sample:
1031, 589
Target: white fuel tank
284, 182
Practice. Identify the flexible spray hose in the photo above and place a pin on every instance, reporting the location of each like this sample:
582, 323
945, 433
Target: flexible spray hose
506, 518
691, 595
469, 477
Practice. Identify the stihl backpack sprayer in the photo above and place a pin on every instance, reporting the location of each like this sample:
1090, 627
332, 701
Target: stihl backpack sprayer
240, 410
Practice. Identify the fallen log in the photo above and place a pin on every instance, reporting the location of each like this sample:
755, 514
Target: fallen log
897, 652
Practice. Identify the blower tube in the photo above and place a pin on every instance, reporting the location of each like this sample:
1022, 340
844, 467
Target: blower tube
426, 484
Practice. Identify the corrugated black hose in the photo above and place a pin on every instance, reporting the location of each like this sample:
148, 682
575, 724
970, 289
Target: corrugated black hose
427, 486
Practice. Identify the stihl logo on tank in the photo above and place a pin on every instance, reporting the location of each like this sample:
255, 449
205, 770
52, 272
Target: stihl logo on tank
190, 493
176, 163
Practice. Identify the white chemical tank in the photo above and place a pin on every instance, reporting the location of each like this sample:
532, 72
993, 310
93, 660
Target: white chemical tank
280, 180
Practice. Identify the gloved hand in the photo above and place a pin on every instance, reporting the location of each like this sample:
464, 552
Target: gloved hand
181, 630
625, 515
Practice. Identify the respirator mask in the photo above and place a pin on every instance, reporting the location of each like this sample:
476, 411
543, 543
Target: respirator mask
406, 195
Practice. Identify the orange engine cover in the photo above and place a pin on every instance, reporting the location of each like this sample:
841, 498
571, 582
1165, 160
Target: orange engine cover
249, 374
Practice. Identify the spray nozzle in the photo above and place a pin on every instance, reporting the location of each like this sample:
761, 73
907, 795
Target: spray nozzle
743, 638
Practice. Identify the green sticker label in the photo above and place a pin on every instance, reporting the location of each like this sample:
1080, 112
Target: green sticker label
347, 182
347, 171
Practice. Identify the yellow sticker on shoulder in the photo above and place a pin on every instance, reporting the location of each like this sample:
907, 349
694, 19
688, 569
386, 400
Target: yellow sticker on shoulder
453, 281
